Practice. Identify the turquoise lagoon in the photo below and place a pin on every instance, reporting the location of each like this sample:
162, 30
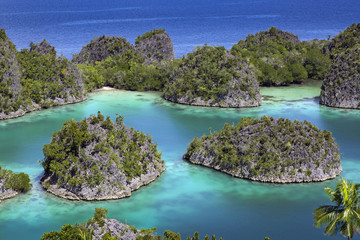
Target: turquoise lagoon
186, 198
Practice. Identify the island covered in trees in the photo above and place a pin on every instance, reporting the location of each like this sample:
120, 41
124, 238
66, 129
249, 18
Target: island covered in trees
98, 159
11, 184
37, 78
269, 150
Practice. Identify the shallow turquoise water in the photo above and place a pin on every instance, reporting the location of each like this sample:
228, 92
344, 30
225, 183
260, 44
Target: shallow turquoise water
186, 198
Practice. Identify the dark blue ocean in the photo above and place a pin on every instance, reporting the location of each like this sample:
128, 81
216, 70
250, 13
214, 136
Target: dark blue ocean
70, 24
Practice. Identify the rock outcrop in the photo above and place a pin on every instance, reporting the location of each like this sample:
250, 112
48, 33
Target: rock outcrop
101, 48
155, 46
212, 77
341, 86
97, 159
277, 35
43, 48
269, 150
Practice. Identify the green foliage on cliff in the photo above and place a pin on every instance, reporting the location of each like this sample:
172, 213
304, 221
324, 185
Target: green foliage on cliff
280, 58
267, 148
95, 150
341, 86
45, 77
9, 75
211, 73
35, 76
344, 40
128, 72
19, 182
148, 34
86, 231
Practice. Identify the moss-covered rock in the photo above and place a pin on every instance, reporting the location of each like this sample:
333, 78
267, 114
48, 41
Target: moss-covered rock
11, 184
211, 76
341, 86
155, 46
269, 150
101, 48
343, 41
98, 159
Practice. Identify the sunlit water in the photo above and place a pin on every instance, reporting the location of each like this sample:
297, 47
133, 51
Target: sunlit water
70, 24
186, 198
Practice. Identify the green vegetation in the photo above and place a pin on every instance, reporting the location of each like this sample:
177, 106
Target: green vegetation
46, 78
9, 76
212, 74
19, 182
149, 34
35, 78
87, 231
341, 86
344, 216
343, 41
281, 59
98, 154
127, 72
267, 149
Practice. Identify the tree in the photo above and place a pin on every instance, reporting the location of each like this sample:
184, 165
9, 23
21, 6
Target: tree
344, 217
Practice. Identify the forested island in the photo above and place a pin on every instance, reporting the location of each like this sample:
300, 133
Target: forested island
11, 184
269, 150
37, 78
98, 159
101, 228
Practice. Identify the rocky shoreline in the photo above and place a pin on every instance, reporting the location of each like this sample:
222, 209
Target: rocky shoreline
37, 107
276, 180
134, 185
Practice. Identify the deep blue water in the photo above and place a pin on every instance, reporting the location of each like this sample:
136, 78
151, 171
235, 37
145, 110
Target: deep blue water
70, 24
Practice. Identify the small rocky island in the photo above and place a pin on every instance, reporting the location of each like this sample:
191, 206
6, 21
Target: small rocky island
211, 76
98, 159
11, 184
269, 150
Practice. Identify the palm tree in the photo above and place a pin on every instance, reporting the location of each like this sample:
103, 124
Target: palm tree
344, 217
